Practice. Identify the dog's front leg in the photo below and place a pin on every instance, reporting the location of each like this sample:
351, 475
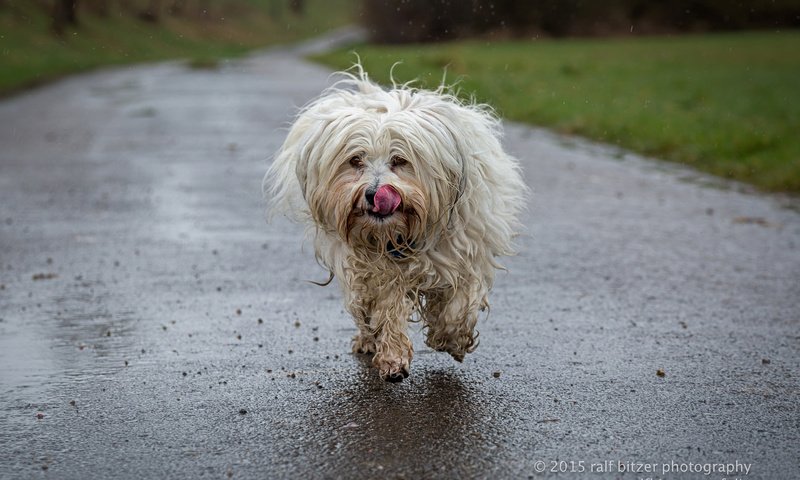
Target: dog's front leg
359, 305
390, 317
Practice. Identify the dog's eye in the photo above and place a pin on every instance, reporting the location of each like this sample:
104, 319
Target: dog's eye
356, 161
398, 161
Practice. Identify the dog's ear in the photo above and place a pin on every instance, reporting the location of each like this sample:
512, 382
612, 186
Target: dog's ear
306, 159
285, 182
489, 189
469, 140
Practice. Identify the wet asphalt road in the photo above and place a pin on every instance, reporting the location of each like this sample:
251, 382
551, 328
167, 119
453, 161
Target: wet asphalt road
163, 330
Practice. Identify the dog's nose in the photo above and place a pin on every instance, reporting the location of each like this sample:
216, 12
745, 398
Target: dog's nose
370, 194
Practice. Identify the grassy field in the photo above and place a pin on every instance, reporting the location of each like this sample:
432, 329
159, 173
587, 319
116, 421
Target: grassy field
30, 53
728, 104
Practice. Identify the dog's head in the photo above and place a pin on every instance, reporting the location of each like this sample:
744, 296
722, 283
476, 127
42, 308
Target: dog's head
382, 169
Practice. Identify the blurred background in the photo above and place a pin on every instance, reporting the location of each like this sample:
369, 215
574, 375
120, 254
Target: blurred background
709, 83
431, 20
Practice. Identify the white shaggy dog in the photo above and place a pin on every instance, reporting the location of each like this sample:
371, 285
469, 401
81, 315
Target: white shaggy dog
411, 197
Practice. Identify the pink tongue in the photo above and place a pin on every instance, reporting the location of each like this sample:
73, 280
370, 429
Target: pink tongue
386, 200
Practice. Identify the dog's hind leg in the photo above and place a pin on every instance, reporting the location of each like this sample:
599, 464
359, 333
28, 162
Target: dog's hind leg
450, 317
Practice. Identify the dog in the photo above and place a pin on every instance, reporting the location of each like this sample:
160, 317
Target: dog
410, 198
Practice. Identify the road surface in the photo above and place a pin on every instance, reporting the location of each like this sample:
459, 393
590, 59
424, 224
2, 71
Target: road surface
153, 325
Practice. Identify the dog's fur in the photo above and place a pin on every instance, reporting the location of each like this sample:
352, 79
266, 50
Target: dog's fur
434, 256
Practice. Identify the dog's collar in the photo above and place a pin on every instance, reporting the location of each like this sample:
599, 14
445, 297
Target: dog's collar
402, 252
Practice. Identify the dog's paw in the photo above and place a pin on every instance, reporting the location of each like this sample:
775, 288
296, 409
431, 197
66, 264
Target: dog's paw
458, 356
455, 352
393, 369
364, 344
457, 347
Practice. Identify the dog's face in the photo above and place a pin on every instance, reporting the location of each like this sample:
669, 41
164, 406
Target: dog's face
376, 196
380, 173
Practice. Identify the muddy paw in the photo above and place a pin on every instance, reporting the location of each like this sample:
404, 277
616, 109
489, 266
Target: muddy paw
458, 356
364, 344
456, 347
393, 370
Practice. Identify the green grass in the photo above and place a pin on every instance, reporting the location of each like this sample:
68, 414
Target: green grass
727, 104
30, 53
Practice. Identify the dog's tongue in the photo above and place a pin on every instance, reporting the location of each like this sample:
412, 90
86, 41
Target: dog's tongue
386, 200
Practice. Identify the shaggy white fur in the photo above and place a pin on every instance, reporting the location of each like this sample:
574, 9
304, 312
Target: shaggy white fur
410, 197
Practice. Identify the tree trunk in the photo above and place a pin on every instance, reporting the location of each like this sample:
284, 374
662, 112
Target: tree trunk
97, 7
152, 12
297, 6
177, 8
65, 12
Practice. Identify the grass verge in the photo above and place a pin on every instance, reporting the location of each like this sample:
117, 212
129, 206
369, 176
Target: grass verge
727, 104
30, 53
